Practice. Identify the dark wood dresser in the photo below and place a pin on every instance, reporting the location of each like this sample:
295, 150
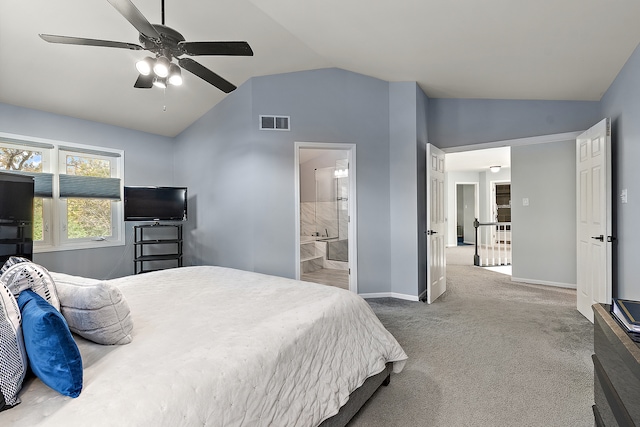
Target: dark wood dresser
616, 366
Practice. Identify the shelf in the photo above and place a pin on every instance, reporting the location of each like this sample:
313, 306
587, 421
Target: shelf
146, 236
158, 242
163, 257
14, 241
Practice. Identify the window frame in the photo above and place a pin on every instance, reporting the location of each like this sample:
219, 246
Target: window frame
55, 208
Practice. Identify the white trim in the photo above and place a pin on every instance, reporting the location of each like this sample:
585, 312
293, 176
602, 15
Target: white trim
390, 295
353, 206
544, 282
515, 142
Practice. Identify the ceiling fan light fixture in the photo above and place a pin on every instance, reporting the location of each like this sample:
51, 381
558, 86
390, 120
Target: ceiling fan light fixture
161, 67
160, 82
175, 75
144, 66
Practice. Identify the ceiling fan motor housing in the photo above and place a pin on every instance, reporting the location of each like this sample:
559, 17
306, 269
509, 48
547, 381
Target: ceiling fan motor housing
167, 45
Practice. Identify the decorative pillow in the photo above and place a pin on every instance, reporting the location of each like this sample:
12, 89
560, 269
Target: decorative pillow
53, 354
11, 261
13, 358
27, 275
95, 310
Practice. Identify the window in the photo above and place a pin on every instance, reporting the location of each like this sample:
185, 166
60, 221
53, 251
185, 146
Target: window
77, 191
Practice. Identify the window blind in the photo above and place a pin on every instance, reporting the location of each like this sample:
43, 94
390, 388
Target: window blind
90, 151
28, 144
89, 187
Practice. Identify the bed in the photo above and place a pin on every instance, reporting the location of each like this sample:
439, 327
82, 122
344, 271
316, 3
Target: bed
223, 347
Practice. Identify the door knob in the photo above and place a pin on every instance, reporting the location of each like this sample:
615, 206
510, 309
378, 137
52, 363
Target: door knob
600, 237
430, 232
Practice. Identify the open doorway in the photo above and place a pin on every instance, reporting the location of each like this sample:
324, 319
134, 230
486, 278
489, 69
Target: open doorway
466, 212
325, 220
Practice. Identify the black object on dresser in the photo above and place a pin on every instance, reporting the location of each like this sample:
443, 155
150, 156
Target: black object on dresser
616, 365
157, 246
16, 216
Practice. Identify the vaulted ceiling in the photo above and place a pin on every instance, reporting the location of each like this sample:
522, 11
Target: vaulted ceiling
496, 49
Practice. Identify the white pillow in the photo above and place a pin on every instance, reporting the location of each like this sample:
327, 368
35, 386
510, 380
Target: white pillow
94, 309
13, 357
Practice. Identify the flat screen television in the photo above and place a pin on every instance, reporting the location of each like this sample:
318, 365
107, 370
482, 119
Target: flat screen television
16, 198
155, 203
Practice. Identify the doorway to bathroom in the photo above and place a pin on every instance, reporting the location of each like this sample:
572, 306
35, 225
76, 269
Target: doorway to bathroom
326, 214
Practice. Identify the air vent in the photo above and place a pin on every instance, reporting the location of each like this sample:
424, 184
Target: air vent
274, 122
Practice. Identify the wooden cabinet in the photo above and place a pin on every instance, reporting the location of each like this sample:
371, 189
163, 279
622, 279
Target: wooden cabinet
616, 365
156, 247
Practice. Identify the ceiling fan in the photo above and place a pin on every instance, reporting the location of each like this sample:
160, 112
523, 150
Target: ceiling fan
167, 44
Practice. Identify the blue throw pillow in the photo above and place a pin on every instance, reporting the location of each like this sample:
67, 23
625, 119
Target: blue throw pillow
53, 354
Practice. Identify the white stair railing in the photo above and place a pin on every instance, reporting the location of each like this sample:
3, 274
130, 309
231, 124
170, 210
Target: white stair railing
493, 243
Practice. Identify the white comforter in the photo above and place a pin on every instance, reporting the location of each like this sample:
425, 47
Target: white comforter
221, 347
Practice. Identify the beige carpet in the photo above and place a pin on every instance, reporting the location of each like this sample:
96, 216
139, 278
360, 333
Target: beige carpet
489, 352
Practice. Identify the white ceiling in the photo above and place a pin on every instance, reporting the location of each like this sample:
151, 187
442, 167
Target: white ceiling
478, 160
498, 49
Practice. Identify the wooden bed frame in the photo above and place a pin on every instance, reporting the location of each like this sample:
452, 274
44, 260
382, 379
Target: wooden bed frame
359, 397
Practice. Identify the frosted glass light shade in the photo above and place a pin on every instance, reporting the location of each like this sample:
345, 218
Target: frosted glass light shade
175, 75
144, 66
161, 68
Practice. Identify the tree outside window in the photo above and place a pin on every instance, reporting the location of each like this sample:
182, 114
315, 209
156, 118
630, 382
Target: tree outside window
17, 159
88, 217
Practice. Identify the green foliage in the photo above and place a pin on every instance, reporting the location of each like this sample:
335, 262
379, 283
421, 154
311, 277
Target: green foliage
37, 219
88, 217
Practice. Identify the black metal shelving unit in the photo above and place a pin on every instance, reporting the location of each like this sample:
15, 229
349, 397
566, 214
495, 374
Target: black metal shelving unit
156, 247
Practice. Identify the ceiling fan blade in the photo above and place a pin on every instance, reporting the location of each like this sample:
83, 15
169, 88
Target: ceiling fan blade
88, 42
216, 48
144, 82
135, 17
206, 74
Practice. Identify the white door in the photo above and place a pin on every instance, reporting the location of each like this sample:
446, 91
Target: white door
593, 187
436, 267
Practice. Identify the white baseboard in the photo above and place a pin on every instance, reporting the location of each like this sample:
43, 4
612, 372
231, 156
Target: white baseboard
544, 282
390, 295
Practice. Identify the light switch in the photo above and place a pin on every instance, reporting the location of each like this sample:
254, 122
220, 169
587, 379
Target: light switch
525, 201
623, 196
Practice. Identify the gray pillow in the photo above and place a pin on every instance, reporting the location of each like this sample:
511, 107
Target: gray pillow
94, 309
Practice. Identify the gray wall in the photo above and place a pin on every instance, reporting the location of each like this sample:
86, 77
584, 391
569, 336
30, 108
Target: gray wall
245, 197
622, 104
458, 122
404, 187
544, 233
215, 159
422, 113
148, 161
